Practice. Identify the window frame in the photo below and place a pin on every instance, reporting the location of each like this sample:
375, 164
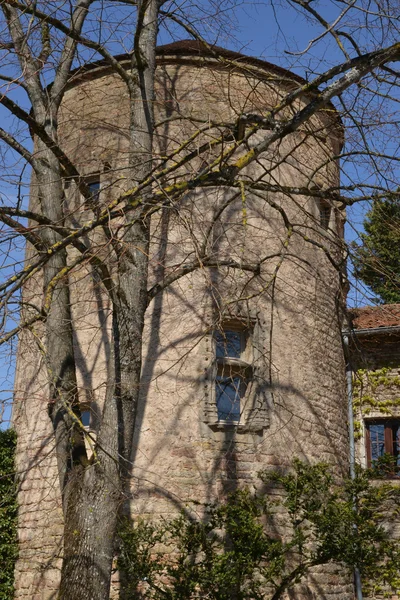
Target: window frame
86, 410
388, 439
233, 367
324, 213
257, 399
94, 178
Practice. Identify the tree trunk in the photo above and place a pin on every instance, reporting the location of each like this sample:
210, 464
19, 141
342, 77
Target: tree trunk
93, 490
97, 495
132, 277
90, 490
91, 518
60, 360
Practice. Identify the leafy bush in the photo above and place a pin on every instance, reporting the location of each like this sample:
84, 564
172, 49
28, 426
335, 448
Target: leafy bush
385, 466
8, 514
257, 546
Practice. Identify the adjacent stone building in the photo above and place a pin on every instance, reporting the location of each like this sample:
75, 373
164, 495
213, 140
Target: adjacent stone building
242, 370
376, 390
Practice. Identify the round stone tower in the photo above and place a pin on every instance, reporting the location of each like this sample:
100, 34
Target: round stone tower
243, 367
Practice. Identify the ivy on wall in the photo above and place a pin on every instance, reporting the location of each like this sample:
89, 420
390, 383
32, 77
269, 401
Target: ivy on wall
375, 391
8, 514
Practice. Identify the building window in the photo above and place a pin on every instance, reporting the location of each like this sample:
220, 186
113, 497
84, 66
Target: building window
94, 188
237, 390
325, 210
85, 418
233, 370
94, 185
383, 446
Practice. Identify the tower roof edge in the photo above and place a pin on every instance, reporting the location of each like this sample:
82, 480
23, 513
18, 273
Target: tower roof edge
194, 49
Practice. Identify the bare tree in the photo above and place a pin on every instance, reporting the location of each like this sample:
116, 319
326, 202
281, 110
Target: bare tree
40, 46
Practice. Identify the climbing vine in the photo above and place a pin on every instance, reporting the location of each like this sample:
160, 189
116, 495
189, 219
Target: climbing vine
374, 391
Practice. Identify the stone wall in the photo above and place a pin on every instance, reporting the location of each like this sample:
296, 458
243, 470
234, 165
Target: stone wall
376, 365
375, 360
290, 307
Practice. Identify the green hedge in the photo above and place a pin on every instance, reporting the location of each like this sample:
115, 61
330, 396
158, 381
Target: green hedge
8, 514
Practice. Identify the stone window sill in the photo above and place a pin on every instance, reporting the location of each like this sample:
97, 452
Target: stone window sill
238, 427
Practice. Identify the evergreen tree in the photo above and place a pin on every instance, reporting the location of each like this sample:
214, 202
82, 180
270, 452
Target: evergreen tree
377, 258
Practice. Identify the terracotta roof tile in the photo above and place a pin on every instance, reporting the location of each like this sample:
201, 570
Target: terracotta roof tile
370, 317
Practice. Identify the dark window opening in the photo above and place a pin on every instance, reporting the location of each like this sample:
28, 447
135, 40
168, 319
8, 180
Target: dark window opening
383, 446
94, 186
324, 213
